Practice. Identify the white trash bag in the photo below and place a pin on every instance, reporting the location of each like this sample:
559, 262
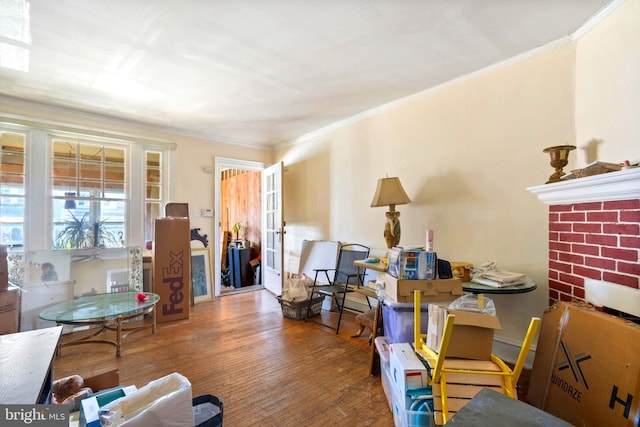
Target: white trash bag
165, 402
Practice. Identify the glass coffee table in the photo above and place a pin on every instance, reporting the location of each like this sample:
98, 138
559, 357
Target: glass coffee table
105, 312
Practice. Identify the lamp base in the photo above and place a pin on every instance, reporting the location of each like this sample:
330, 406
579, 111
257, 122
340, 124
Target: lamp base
392, 229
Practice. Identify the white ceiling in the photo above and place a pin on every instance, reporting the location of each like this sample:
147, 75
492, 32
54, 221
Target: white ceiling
260, 71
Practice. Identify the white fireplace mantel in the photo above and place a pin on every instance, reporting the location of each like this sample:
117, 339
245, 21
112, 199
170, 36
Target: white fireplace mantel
619, 185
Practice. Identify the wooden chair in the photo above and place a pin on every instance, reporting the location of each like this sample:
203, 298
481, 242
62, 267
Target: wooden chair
455, 381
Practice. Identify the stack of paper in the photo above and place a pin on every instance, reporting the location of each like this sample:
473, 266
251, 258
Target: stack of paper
500, 278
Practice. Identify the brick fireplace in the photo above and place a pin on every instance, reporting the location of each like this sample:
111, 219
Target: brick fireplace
594, 234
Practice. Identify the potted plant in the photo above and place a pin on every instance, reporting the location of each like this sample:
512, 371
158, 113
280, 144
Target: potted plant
85, 232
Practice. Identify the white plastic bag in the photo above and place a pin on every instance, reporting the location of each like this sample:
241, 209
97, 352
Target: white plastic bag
298, 289
474, 303
165, 402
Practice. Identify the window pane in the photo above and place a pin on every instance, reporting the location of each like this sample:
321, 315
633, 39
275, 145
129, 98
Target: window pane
153, 159
64, 149
114, 190
153, 176
12, 188
114, 155
65, 168
77, 228
90, 170
12, 184
90, 152
61, 186
12, 162
90, 188
152, 212
114, 172
153, 192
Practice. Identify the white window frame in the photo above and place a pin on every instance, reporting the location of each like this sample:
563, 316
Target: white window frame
38, 197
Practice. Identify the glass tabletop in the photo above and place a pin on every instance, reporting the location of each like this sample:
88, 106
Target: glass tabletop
99, 307
477, 288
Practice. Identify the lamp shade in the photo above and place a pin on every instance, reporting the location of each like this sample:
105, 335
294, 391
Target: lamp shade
389, 192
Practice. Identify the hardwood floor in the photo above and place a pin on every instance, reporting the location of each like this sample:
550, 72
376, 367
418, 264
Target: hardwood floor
266, 369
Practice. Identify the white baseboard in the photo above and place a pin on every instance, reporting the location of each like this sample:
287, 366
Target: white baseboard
508, 351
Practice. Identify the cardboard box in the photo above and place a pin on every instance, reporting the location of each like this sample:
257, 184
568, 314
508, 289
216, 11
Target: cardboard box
9, 310
586, 368
472, 335
172, 268
439, 290
407, 371
412, 264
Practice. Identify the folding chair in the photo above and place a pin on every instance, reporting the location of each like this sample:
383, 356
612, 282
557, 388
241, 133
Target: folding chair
456, 381
339, 279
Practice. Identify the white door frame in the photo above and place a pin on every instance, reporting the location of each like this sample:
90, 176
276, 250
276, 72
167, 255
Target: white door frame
220, 164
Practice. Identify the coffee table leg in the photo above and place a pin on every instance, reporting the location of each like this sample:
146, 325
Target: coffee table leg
118, 335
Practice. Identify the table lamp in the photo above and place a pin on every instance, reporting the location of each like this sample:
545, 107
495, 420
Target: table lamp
390, 192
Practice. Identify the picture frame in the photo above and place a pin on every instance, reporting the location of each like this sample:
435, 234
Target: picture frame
201, 275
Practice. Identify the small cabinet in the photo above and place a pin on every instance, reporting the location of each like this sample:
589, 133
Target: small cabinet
240, 271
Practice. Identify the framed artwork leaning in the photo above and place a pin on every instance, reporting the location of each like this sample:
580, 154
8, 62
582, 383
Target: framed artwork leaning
201, 275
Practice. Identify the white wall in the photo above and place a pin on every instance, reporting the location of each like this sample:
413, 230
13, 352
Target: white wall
608, 88
465, 153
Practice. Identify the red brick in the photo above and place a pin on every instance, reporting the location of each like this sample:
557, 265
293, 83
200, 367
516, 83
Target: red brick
572, 279
630, 242
620, 279
572, 237
620, 254
602, 263
578, 293
628, 268
601, 239
553, 274
627, 229
592, 206
572, 217
587, 272
571, 258
553, 217
565, 297
610, 216
630, 216
560, 247
553, 255
554, 237
585, 249
559, 226
561, 287
622, 204
560, 208
587, 227
554, 265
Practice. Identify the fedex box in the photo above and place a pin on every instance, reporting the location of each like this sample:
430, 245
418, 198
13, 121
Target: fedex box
472, 335
407, 371
172, 268
587, 367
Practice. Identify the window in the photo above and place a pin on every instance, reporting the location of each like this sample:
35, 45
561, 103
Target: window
89, 189
153, 191
12, 188
61, 190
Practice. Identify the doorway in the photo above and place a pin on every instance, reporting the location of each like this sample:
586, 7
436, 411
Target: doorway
238, 226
